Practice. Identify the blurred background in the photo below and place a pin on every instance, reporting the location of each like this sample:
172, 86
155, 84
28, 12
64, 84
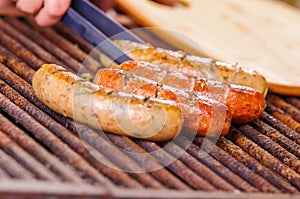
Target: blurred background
293, 2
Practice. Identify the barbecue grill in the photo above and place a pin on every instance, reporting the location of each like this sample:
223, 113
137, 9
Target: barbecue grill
41, 153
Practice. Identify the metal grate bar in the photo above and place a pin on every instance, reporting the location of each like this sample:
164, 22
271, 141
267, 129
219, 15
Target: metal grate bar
12, 167
74, 38
294, 101
216, 166
72, 140
11, 188
47, 44
77, 40
36, 49
25, 159
277, 137
199, 168
264, 157
17, 65
69, 47
177, 167
287, 108
280, 126
272, 147
116, 156
3, 174
55, 144
254, 165
280, 115
147, 162
36, 150
65, 135
19, 50
240, 169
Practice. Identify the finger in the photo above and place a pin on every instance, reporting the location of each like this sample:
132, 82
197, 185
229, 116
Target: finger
52, 12
5, 3
29, 6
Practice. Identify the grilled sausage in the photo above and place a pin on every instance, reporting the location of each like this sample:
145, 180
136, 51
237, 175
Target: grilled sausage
116, 112
245, 103
192, 66
202, 115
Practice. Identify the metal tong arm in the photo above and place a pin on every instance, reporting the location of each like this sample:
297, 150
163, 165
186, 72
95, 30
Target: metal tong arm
102, 22
83, 27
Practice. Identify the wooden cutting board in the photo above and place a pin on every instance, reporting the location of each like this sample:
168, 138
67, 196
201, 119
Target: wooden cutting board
259, 34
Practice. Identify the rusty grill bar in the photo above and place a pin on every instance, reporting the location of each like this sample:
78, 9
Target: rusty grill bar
37, 144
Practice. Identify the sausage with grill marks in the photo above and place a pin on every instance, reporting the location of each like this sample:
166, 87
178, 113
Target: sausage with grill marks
102, 108
191, 65
201, 115
245, 103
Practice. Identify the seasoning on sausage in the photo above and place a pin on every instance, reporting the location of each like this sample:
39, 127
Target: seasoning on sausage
245, 103
116, 112
202, 115
191, 65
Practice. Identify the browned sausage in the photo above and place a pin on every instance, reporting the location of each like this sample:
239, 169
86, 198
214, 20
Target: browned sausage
201, 115
245, 103
192, 66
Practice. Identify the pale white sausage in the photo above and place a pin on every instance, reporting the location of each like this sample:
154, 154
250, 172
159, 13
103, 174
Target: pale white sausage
115, 112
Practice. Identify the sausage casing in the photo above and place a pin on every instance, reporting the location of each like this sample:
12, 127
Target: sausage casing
204, 116
245, 103
100, 108
192, 66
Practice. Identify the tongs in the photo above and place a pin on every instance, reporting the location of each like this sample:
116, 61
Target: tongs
92, 24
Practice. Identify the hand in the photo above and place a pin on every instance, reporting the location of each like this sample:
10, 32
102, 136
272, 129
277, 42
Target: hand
47, 12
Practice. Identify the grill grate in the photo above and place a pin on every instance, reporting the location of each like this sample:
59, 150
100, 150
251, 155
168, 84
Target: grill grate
37, 144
